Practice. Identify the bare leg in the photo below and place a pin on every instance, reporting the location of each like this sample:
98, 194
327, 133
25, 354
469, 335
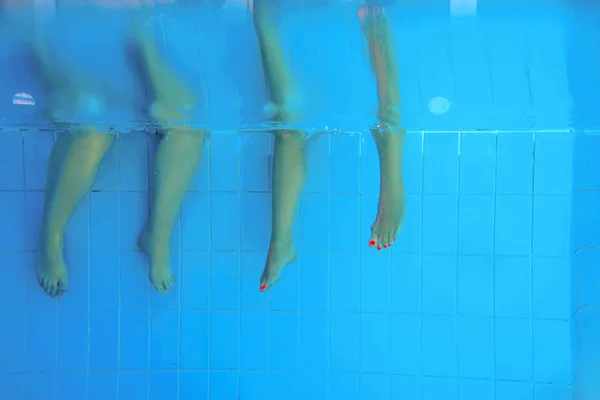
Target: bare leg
390, 137
172, 100
177, 158
72, 169
289, 172
289, 164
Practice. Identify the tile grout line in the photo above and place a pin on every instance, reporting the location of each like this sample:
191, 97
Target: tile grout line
25, 256
210, 259
360, 257
390, 261
298, 276
421, 263
329, 247
271, 148
239, 257
57, 305
150, 167
25, 252
531, 275
457, 258
119, 265
180, 294
494, 264
306, 192
346, 313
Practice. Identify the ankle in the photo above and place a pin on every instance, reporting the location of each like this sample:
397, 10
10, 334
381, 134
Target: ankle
50, 239
281, 240
153, 238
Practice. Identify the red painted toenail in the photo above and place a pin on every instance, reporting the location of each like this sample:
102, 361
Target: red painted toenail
372, 243
390, 245
384, 246
263, 287
379, 248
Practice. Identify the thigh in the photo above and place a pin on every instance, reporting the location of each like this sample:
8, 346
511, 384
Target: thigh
192, 43
244, 66
327, 58
90, 49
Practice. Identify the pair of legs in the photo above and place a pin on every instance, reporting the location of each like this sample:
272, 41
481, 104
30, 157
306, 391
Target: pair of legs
75, 161
289, 164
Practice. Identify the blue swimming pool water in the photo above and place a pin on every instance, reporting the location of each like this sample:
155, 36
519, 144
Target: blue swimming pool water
491, 291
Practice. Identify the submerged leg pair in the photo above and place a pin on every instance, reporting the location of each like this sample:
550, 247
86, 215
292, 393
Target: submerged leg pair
289, 164
74, 164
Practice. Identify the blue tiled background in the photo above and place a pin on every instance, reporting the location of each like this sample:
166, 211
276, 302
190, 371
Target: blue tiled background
490, 293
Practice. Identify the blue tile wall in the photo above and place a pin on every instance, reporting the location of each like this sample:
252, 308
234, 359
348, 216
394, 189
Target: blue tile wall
483, 311
585, 275
489, 294
585, 240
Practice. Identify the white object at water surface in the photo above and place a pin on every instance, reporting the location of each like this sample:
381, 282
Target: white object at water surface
463, 8
23, 99
439, 105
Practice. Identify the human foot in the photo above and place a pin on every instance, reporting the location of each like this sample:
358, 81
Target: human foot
390, 212
160, 273
280, 255
51, 271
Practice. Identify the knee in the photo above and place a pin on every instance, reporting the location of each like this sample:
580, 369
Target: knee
287, 135
390, 116
79, 107
165, 114
94, 137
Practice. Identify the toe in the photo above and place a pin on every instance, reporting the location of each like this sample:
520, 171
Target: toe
268, 282
170, 283
373, 241
58, 288
394, 235
385, 241
51, 289
158, 286
62, 285
48, 288
381, 244
161, 288
265, 284
264, 278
